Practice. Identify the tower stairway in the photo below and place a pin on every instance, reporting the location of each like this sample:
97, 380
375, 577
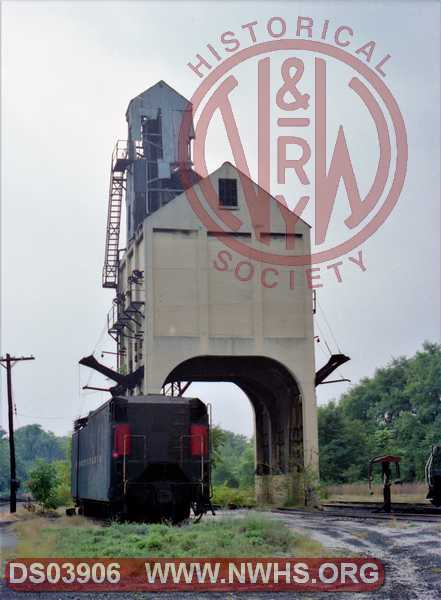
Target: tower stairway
118, 166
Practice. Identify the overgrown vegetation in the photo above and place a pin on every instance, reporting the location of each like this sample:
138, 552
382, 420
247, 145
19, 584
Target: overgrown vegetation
227, 497
49, 483
397, 411
254, 535
233, 459
31, 444
233, 469
358, 492
42, 483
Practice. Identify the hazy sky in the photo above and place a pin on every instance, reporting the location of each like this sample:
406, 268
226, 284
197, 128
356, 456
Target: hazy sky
69, 71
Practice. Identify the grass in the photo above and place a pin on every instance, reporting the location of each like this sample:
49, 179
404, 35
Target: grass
252, 535
8, 517
358, 492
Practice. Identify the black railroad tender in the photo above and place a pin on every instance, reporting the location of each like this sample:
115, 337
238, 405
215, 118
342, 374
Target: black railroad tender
143, 457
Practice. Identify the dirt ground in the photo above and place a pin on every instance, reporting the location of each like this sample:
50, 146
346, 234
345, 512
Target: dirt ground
410, 550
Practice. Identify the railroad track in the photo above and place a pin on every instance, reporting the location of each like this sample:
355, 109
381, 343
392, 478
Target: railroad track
360, 510
406, 507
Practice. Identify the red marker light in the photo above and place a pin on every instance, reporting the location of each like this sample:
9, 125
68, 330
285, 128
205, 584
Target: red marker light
199, 440
121, 440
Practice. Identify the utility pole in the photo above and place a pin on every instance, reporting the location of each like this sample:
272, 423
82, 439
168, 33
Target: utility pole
8, 362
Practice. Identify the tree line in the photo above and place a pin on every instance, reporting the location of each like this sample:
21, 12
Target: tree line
31, 444
396, 411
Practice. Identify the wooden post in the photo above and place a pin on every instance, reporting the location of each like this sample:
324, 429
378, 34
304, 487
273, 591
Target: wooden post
9, 360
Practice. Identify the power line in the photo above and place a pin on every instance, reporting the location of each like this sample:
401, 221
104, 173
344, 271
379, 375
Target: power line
44, 418
322, 351
322, 337
329, 326
103, 331
82, 397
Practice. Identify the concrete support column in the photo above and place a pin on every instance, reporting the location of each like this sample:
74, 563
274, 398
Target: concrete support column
310, 430
263, 454
263, 490
280, 490
284, 483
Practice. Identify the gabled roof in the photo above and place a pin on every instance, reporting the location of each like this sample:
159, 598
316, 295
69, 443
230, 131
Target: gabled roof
200, 180
160, 83
227, 162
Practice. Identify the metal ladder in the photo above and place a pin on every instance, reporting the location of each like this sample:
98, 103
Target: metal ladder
117, 186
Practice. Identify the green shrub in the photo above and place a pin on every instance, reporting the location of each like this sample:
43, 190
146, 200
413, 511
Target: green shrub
224, 496
315, 490
43, 481
63, 494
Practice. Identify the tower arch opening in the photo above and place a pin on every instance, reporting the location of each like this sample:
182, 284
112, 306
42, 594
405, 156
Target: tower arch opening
276, 399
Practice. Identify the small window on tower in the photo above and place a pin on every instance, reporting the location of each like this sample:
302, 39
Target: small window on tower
228, 193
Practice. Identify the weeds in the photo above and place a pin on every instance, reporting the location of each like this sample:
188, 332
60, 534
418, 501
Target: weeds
406, 492
253, 535
225, 496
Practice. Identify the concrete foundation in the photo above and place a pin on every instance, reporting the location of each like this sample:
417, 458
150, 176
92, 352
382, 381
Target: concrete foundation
280, 490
